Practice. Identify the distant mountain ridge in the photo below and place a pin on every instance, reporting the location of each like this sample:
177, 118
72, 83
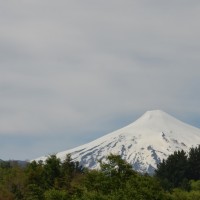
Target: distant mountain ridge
20, 163
144, 143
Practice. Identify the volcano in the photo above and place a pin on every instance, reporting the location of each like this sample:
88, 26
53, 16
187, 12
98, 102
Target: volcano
144, 143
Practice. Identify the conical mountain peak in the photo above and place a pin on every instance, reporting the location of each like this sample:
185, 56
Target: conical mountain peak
158, 121
157, 115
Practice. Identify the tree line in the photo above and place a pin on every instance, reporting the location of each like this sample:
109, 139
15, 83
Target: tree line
176, 178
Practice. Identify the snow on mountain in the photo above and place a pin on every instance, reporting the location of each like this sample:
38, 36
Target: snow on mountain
144, 143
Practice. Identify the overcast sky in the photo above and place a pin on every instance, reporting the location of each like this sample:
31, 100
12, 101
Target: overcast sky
72, 71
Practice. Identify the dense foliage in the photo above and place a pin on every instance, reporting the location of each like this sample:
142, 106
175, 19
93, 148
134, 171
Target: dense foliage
177, 178
179, 169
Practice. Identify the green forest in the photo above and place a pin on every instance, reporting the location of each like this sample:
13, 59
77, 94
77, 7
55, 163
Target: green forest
176, 178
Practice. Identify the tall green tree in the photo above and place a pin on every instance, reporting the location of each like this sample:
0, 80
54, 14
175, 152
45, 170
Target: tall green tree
52, 171
35, 174
194, 163
69, 169
173, 171
116, 170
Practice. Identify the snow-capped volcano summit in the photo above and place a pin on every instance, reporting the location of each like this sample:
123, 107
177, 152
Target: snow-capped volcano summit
144, 143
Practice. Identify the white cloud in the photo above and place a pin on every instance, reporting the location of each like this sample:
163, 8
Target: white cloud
72, 66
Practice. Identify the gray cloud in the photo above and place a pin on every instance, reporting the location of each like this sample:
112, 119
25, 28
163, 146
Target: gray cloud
76, 70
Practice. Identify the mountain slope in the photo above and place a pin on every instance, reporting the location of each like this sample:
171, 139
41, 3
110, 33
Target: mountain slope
143, 143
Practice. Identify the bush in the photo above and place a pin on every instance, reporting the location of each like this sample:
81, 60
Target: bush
56, 195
